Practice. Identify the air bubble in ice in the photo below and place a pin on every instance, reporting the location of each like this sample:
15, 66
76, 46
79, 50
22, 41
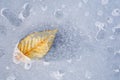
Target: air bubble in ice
116, 12
104, 2
58, 13
109, 20
12, 18
26, 11
100, 35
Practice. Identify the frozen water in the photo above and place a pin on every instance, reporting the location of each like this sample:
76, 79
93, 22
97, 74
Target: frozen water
80, 4
2, 52
57, 75
26, 11
85, 1
58, 13
100, 25
109, 20
100, 13
12, 17
86, 47
104, 2
3, 30
100, 34
88, 74
11, 77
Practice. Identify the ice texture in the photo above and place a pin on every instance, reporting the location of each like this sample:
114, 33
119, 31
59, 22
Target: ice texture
86, 47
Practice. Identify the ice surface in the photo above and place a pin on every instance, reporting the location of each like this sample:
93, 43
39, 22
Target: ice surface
12, 18
2, 52
3, 30
86, 47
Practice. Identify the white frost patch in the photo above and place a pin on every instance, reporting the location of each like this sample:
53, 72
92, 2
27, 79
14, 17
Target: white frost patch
100, 25
11, 77
104, 2
45, 63
57, 75
69, 60
20, 16
7, 68
116, 12
116, 70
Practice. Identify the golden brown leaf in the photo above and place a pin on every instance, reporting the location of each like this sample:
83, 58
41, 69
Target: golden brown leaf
37, 44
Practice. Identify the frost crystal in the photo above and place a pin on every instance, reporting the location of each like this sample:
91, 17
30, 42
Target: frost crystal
109, 20
100, 25
57, 75
116, 12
